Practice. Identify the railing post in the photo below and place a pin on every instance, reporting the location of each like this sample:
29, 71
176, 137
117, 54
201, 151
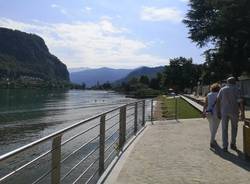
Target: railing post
56, 160
175, 107
152, 110
122, 127
143, 112
102, 144
135, 122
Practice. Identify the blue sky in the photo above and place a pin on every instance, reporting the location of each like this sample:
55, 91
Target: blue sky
110, 33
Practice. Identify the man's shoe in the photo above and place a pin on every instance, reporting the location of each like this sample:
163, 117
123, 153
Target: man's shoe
224, 150
233, 147
215, 143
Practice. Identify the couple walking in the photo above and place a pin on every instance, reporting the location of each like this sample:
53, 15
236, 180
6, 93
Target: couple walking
223, 105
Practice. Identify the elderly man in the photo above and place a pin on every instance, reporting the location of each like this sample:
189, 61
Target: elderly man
229, 104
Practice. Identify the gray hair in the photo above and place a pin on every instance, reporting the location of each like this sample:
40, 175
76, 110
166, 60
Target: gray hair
231, 80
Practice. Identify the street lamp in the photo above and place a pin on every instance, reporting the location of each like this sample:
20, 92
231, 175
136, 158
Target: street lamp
198, 85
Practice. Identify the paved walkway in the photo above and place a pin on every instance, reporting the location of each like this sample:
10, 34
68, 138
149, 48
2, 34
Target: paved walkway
171, 152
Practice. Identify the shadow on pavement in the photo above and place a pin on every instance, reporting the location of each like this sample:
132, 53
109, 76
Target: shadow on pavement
238, 158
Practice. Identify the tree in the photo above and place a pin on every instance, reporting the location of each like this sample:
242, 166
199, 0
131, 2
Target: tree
224, 24
106, 85
144, 80
181, 74
161, 79
83, 85
215, 68
154, 83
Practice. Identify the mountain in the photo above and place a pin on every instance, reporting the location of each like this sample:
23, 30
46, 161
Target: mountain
92, 76
26, 56
71, 70
148, 71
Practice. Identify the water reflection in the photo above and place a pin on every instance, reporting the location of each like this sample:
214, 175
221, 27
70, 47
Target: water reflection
26, 115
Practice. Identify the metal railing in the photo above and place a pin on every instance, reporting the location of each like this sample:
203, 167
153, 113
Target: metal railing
79, 153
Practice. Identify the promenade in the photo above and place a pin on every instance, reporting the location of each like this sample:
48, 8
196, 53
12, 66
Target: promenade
178, 153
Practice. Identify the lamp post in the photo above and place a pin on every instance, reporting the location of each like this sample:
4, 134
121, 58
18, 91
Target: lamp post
212, 77
201, 85
198, 86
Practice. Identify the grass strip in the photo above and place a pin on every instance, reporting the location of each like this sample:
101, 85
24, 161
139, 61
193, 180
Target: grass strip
184, 109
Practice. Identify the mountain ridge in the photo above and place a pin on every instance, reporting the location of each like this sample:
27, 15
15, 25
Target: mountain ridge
115, 76
99, 75
150, 72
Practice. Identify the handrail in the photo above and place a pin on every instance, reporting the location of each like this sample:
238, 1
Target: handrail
117, 114
32, 144
123, 129
79, 134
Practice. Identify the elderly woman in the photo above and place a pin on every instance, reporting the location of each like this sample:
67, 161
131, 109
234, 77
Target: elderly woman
210, 111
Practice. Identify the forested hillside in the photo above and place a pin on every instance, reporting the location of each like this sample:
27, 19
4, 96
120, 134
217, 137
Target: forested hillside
26, 57
146, 71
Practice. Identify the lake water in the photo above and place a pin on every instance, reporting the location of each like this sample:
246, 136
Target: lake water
27, 115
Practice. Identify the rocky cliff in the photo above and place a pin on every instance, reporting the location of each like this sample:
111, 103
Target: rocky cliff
26, 56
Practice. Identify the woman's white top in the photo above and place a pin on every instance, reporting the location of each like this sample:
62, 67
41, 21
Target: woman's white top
211, 100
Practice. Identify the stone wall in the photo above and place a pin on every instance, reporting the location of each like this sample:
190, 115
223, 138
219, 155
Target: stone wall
244, 86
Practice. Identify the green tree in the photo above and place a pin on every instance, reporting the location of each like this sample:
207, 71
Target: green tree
83, 85
181, 73
161, 79
144, 80
106, 85
224, 24
215, 68
154, 83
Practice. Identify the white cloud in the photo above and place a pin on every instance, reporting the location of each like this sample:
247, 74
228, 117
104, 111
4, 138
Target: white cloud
161, 14
105, 17
60, 8
54, 6
185, 1
90, 44
87, 10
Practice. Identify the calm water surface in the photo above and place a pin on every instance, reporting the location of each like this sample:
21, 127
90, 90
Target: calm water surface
27, 115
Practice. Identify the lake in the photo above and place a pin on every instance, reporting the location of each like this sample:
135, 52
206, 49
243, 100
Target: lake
27, 115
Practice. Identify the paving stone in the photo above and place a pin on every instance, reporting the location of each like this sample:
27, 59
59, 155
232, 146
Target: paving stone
171, 152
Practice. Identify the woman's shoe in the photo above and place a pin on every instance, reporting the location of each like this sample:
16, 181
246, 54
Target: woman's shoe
213, 144
233, 147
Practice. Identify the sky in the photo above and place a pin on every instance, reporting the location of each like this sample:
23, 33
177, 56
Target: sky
106, 33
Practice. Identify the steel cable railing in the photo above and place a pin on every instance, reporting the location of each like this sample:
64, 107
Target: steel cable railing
131, 117
46, 153
81, 147
84, 172
82, 160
